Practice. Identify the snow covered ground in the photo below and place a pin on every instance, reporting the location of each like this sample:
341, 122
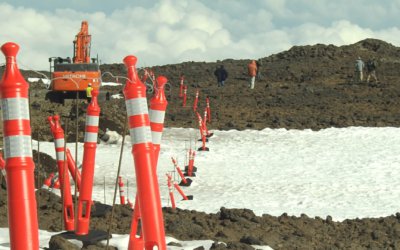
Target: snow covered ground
346, 173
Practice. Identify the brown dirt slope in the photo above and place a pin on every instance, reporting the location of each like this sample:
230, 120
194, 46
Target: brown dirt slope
304, 87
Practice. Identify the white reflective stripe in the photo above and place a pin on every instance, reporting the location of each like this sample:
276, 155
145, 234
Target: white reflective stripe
136, 106
60, 156
59, 143
156, 116
15, 108
92, 120
17, 146
156, 136
90, 137
140, 135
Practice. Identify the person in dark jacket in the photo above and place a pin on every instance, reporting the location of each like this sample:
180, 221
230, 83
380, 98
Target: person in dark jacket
221, 75
371, 67
258, 75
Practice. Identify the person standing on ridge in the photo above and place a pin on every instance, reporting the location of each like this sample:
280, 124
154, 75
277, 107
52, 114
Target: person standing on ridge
89, 93
221, 75
371, 67
252, 71
258, 76
359, 69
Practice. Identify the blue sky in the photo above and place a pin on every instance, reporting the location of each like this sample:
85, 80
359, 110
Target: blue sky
174, 31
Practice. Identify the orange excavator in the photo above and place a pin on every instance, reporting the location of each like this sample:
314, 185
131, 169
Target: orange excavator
70, 78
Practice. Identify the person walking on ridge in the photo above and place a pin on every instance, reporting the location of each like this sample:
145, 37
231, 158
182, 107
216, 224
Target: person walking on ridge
258, 76
221, 75
371, 67
359, 69
252, 71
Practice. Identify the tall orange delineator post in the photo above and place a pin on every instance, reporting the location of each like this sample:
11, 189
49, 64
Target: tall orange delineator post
136, 241
184, 182
202, 134
48, 181
148, 193
184, 96
158, 106
63, 175
182, 78
2, 162
59, 145
130, 203
180, 191
208, 134
208, 109
170, 190
22, 213
2, 165
73, 169
56, 182
196, 100
121, 191
190, 168
88, 164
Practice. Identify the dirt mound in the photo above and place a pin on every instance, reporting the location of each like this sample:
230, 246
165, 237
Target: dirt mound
306, 87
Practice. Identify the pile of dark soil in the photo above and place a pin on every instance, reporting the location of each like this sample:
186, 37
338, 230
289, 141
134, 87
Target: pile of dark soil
306, 87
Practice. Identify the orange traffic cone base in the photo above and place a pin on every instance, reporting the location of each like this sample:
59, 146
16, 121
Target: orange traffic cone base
203, 149
187, 184
193, 170
187, 174
92, 238
189, 197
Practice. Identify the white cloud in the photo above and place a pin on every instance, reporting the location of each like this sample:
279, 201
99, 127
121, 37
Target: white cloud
172, 31
339, 33
391, 35
202, 22
169, 13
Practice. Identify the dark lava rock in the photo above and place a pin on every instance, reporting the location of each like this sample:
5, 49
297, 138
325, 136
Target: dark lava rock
59, 243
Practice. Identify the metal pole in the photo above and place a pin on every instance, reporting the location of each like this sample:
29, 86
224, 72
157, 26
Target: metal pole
116, 179
38, 176
76, 159
127, 188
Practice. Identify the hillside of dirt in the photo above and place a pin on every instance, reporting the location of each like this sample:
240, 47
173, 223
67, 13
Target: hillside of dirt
306, 87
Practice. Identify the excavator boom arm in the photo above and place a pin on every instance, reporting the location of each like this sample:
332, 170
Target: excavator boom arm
82, 45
